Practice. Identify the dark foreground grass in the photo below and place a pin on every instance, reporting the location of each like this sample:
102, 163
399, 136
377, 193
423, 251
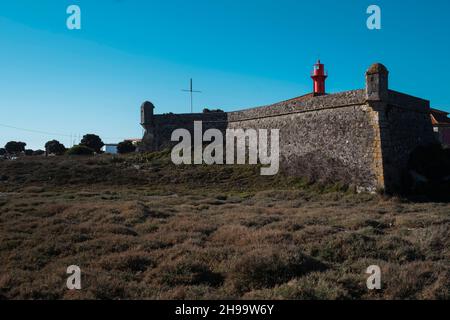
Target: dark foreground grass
141, 228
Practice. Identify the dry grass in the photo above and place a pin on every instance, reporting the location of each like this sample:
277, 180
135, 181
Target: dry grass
141, 228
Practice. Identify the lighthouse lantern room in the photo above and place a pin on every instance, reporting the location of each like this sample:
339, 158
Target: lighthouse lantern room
319, 76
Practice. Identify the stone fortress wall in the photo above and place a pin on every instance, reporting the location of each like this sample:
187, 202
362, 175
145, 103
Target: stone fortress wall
361, 137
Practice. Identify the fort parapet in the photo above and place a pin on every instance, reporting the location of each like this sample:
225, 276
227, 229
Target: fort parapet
360, 137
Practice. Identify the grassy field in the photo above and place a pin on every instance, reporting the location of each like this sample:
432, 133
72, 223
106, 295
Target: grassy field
140, 227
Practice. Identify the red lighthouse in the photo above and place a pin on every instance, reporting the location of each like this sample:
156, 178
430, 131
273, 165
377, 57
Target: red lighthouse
319, 76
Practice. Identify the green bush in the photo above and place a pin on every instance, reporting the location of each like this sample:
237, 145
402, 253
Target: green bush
15, 147
80, 151
55, 147
126, 147
38, 152
93, 142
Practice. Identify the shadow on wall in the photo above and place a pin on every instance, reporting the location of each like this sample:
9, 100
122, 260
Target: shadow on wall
429, 173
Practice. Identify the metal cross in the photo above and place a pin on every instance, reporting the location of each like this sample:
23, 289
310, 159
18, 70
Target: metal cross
192, 91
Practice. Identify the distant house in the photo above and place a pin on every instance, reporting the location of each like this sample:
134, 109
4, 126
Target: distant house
134, 141
441, 126
110, 148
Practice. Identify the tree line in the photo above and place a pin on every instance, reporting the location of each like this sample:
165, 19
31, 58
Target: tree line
89, 145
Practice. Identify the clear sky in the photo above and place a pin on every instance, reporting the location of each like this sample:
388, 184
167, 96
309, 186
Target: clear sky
241, 53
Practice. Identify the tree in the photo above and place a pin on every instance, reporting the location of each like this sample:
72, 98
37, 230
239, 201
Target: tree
29, 152
2, 151
93, 142
14, 147
126, 147
39, 152
80, 151
206, 110
55, 147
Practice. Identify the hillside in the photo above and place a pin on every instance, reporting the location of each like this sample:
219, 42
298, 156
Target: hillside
140, 227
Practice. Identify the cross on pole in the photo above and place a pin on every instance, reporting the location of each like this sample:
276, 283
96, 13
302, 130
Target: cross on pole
192, 91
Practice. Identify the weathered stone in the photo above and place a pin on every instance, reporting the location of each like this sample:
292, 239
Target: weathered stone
360, 137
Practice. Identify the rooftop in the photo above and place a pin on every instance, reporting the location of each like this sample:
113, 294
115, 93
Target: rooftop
439, 117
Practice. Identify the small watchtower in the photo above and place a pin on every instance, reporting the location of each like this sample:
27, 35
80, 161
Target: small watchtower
147, 114
377, 83
148, 123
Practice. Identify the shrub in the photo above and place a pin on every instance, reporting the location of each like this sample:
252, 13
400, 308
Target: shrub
127, 262
206, 110
93, 142
188, 272
315, 286
417, 280
14, 147
80, 151
38, 152
2, 151
29, 152
126, 147
263, 269
55, 147
345, 247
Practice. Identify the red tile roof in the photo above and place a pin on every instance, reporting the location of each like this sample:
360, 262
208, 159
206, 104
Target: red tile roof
439, 117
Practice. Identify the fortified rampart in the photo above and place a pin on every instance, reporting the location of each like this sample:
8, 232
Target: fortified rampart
361, 137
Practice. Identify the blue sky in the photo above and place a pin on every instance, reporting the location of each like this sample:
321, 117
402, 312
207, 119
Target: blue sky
241, 53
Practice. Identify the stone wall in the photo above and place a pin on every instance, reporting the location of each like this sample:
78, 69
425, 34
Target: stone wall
327, 144
361, 137
158, 134
404, 125
442, 134
326, 138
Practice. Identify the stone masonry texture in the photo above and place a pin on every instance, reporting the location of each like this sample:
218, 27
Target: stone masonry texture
345, 137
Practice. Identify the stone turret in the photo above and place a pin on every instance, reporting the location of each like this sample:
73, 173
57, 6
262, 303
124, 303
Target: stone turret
147, 114
377, 83
148, 123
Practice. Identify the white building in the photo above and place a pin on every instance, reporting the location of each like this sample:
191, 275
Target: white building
110, 148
